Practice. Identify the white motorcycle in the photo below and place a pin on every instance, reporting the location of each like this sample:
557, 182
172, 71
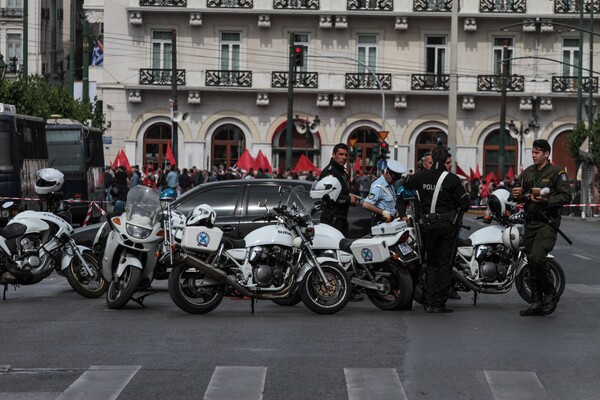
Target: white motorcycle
271, 262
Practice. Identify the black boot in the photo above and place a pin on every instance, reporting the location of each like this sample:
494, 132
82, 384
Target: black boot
550, 301
536, 308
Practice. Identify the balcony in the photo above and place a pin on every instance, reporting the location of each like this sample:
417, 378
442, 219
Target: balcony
370, 5
432, 5
229, 3
163, 3
429, 82
154, 76
11, 12
296, 4
503, 6
569, 84
368, 81
493, 83
572, 6
306, 80
229, 78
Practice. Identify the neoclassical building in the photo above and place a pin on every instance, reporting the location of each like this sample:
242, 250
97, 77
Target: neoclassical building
369, 66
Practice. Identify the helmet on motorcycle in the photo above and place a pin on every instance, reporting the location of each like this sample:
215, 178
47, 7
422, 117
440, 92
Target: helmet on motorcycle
168, 195
511, 238
329, 186
498, 201
202, 215
48, 180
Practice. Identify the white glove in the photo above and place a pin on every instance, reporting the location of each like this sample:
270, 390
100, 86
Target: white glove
387, 216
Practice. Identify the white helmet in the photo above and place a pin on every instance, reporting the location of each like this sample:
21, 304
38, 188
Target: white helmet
511, 238
396, 168
498, 201
202, 215
329, 186
48, 180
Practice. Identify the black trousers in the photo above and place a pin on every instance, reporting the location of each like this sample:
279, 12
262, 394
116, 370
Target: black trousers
439, 243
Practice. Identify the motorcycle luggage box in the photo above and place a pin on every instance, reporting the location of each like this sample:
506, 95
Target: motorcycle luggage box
369, 251
388, 228
201, 239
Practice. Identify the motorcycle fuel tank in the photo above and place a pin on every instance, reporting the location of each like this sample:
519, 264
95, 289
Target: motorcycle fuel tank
326, 237
270, 234
487, 235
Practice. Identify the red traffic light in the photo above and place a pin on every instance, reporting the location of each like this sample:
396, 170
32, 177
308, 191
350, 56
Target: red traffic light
298, 49
384, 145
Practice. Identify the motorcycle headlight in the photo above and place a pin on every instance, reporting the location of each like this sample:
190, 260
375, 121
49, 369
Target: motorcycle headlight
138, 232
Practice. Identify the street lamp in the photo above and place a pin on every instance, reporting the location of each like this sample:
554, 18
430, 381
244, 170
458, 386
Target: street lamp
2, 67
396, 150
304, 126
519, 133
590, 109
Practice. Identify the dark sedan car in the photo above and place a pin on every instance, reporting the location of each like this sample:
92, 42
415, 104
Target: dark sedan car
236, 205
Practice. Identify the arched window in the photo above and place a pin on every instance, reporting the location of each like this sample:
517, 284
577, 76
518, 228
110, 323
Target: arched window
361, 143
228, 144
561, 155
491, 153
156, 139
427, 140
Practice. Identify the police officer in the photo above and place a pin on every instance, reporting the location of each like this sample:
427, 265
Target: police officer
442, 198
381, 201
544, 188
336, 213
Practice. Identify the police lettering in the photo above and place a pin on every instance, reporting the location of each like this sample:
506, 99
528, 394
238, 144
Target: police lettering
429, 186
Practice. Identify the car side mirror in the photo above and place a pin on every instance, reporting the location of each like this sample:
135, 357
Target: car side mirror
262, 203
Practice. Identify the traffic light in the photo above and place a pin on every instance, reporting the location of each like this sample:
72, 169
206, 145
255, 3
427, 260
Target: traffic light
297, 56
385, 150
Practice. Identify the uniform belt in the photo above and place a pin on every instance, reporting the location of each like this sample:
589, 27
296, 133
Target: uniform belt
431, 218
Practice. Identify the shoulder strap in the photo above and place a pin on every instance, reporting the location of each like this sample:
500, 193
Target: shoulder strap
438, 187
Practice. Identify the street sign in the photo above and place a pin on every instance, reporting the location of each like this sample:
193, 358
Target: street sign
106, 139
383, 135
353, 141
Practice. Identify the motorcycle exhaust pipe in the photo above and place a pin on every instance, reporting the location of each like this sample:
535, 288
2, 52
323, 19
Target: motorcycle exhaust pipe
463, 279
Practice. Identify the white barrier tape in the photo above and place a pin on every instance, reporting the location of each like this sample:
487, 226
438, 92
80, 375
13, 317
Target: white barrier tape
88, 215
566, 205
65, 200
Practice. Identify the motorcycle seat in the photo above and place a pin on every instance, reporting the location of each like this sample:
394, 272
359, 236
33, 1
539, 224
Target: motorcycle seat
345, 244
12, 230
464, 242
231, 243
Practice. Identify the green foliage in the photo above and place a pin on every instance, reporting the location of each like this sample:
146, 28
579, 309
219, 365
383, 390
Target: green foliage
594, 135
33, 95
576, 140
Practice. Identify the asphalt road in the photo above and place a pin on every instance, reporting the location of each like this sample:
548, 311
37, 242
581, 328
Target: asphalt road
58, 345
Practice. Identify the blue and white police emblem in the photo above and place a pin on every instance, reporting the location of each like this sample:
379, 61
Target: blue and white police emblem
366, 254
203, 239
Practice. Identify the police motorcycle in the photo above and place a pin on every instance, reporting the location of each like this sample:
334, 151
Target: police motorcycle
35, 243
272, 262
492, 259
377, 264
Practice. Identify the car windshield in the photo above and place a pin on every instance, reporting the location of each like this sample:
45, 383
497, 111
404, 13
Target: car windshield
143, 205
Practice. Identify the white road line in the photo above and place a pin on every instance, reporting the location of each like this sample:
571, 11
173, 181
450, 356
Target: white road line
235, 383
373, 384
29, 396
585, 289
515, 385
582, 257
100, 383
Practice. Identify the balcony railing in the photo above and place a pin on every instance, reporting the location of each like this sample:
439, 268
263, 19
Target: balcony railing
308, 80
503, 6
572, 6
432, 5
230, 3
163, 3
368, 81
228, 78
370, 5
493, 83
11, 12
297, 4
154, 76
429, 82
570, 84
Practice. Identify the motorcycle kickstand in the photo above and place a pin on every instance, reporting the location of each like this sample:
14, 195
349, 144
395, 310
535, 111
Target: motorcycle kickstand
4, 292
140, 300
252, 302
474, 298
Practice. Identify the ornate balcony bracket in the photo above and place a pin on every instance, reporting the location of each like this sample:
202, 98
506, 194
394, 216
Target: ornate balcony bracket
195, 19
326, 22
323, 100
230, 3
309, 80
370, 5
493, 83
135, 18
11, 12
228, 78
339, 100
526, 104
194, 98
367, 81
400, 102
154, 76
262, 99
503, 6
545, 104
134, 96
341, 22
429, 82
297, 4
433, 5
468, 103
401, 23
470, 24
572, 6
264, 21
163, 3
531, 25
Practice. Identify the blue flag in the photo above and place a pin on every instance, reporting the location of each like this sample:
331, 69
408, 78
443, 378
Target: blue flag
98, 54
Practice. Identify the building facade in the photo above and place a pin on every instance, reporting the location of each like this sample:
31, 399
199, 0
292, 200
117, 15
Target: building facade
369, 66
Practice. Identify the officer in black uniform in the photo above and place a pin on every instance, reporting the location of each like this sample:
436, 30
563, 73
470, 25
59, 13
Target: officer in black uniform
336, 213
442, 199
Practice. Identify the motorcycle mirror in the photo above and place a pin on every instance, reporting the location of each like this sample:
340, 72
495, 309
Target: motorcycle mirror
484, 202
8, 204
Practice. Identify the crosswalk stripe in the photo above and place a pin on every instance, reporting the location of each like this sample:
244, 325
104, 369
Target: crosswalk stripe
100, 383
373, 384
515, 385
234, 383
582, 257
585, 289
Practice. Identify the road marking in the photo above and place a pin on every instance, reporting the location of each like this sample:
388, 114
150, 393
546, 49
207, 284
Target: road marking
29, 396
100, 383
582, 257
585, 289
234, 383
373, 384
515, 385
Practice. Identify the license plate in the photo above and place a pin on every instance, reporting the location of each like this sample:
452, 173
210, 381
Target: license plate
405, 249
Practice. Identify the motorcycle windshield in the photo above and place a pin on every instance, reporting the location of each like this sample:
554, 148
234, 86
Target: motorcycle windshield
143, 205
298, 199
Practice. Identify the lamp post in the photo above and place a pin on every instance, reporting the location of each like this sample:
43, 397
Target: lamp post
304, 127
396, 150
520, 132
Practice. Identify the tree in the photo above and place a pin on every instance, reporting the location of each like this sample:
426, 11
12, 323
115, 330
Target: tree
33, 95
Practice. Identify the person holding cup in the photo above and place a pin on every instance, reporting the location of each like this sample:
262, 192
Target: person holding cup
544, 190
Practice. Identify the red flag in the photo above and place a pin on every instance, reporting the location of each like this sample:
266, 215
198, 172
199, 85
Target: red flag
490, 177
170, 157
471, 174
477, 173
511, 174
357, 164
261, 161
459, 171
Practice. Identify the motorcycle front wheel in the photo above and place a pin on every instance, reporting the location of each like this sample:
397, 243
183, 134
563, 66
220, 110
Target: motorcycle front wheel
121, 289
330, 298
557, 279
189, 295
90, 287
397, 292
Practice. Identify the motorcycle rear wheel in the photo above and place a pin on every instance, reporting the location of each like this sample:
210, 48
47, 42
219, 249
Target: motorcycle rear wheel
189, 297
398, 289
91, 288
120, 290
556, 272
322, 299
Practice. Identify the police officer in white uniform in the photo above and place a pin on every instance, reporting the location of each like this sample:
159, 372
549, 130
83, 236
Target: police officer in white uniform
381, 201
